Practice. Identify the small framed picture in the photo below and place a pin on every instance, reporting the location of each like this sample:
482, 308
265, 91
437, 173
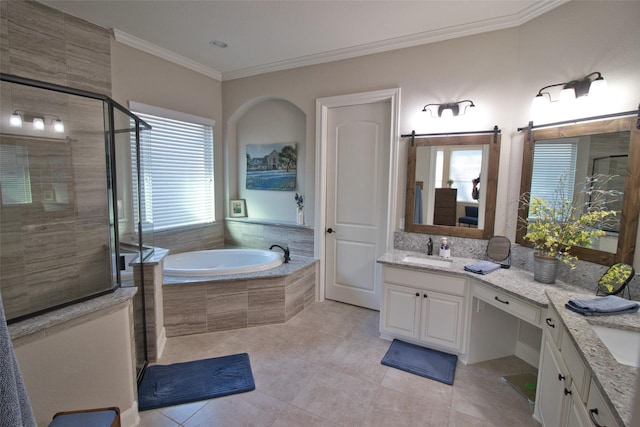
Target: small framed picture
238, 208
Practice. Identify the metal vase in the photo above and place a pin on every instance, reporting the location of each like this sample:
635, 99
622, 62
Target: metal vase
545, 268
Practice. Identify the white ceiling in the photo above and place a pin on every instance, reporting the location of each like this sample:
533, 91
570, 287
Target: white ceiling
267, 35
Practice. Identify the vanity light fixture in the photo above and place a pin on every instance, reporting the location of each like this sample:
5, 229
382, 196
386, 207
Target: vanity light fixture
450, 109
38, 121
593, 84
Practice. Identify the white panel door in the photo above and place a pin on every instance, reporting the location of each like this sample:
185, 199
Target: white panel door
358, 149
442, 319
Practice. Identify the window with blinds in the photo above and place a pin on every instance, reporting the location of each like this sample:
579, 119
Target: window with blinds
553, 170
176, 168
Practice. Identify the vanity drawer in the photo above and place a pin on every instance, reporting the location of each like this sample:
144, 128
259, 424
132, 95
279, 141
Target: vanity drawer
508, 303
579, 373
553, 325
598, 410
423, 280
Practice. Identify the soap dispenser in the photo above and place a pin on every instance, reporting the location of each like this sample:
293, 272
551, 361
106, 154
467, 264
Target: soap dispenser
445, 251
430, 247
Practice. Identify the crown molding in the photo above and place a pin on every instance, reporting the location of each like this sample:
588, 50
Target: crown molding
152, 49
501, 23
412, 40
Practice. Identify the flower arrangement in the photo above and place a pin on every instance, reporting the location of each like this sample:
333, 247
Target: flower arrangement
299, 201
555, 226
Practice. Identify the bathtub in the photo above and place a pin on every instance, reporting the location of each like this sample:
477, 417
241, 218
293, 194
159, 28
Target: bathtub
218, 262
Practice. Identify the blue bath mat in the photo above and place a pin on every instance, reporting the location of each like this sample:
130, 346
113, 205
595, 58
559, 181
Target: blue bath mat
428, 363
192, 381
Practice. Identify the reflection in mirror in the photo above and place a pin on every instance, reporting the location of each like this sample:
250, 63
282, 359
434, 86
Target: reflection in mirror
451, 185
570, 160
448, 183
570, 154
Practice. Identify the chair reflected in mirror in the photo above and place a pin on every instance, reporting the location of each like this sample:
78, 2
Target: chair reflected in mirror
616, 280
499, 251
470, 216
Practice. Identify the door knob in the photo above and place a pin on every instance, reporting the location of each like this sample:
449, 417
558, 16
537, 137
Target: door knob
330, 230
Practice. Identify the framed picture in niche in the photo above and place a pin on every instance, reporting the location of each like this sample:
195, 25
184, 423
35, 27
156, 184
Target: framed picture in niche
272, 167
238, 208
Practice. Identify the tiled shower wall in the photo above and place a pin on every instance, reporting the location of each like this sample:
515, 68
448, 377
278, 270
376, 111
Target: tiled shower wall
58, 245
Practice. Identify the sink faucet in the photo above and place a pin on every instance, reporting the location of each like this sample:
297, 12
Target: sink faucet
287, 256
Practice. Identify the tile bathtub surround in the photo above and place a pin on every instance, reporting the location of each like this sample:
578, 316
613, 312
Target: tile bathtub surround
322, 368
238, 301
261, 235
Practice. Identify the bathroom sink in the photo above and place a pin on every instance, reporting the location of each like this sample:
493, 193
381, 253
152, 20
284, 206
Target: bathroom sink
624, 345
427, 261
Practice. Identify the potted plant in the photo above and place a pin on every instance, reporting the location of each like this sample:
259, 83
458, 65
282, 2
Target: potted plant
555, 226
450, 182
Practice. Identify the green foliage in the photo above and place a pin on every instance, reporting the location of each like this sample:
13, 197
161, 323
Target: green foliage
557, 226
615, 276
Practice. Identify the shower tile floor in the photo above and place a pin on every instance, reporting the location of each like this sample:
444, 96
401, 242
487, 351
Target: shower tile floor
322, 368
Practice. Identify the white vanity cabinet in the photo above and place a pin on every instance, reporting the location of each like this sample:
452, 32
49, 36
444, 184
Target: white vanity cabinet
424, 308
566, 396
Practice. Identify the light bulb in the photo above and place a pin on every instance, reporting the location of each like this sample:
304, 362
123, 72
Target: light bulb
567, 95
58, 126
447, 114
538, 106
598, 89
38, 123
15, 121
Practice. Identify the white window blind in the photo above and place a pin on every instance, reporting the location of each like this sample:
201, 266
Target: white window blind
176, 172
464, 168
553, 163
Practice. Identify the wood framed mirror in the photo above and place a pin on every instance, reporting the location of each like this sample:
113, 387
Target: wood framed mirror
436, 207
593, 141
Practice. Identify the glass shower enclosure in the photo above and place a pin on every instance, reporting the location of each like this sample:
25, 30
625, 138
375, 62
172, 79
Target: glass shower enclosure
62, 213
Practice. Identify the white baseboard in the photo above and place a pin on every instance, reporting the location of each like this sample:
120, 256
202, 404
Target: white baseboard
162, 341
130, 417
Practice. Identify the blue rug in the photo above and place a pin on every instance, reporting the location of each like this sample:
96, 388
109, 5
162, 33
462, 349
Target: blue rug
428, 363
192, 381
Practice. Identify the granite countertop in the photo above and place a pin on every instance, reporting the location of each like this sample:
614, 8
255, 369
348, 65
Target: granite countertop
514, 281
615, 381
72, 312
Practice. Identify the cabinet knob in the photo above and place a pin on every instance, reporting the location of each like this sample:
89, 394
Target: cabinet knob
417, 294
561, 377
567, 392
425, 295
548, 320
592, 413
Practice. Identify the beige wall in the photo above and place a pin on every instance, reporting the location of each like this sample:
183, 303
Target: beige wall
138, 76
500, 71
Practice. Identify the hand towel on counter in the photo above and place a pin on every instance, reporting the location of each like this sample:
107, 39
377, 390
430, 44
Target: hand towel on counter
482, 267
603, 306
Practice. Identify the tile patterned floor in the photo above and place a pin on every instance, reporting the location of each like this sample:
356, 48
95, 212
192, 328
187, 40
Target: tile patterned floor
322, 368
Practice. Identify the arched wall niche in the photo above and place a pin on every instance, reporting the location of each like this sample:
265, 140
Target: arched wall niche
263, 121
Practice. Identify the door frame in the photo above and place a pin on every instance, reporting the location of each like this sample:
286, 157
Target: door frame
322, 112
